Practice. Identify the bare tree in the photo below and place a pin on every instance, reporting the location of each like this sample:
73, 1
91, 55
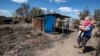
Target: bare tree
97, 15
23, 12
84, 13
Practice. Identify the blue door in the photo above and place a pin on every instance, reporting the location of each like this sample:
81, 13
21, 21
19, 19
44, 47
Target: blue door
49, 22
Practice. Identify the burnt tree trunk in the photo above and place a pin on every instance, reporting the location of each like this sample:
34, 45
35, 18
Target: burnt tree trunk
98, 49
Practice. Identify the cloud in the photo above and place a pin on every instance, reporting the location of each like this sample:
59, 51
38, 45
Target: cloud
58, 1
45, 9
76, 11
51, 10
69, 9
20, 1
5, 12
65, 9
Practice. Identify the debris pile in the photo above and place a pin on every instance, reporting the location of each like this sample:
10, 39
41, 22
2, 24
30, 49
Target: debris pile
23, 41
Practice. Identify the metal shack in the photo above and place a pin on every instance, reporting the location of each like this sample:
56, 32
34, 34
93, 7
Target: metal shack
50, 23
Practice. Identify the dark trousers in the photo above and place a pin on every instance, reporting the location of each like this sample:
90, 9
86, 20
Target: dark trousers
82, 40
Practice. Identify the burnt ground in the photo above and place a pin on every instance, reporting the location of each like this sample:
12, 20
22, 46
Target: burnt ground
22, 40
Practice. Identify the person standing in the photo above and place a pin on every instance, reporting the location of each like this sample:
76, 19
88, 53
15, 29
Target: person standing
84, 34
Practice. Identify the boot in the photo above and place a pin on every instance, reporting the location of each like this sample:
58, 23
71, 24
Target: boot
82, 50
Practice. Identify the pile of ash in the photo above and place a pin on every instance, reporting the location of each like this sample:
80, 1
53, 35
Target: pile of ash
23, 41
5, 31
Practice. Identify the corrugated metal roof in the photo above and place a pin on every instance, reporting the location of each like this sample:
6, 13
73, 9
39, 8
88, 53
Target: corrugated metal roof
56, 15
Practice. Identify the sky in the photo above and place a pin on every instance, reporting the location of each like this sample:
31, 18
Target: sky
65, 7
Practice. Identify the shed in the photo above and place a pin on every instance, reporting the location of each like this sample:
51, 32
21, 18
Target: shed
49, 23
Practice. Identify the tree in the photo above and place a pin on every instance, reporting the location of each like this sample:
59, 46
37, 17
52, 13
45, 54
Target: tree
84, 13
23, 12
36, 12
97, 14
81, 15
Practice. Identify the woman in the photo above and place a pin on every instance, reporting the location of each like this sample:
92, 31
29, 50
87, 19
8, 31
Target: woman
85, 35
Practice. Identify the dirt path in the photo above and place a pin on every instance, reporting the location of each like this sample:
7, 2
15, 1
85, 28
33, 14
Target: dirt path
65, 47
